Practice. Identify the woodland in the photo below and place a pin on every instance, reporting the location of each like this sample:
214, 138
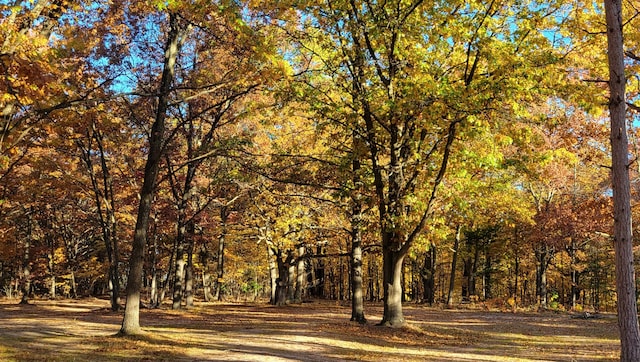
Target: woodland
162, 154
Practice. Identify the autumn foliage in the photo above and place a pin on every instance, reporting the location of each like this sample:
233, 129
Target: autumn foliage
441, 152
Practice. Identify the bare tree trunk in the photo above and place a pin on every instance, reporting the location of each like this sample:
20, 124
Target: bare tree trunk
623, 232
131, 320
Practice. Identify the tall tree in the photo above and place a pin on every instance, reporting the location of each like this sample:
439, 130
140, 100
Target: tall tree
414, 88
623, 233
175, 37
102, 185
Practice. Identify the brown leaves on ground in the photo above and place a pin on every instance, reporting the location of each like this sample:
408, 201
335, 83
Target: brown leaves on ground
84, 330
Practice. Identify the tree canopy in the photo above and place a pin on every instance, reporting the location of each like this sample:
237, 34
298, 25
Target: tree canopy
407, 150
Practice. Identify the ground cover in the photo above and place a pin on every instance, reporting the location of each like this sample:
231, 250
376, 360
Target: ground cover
83, 330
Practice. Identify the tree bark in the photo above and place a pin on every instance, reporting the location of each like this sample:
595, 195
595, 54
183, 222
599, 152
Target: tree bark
357, 297
131, 320
623, 232
224, 215
318, 277
26, 264
392, 284
428, 275
454, 261
188, 276
178, 277
543, 257
283, 283
206, 276
488, 265
273, 275
154, 299
300, 270
291, 278
52, 272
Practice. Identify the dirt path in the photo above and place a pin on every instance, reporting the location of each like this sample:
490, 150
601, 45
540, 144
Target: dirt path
83, 331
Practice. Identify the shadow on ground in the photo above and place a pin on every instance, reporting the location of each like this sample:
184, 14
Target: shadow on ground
84, 330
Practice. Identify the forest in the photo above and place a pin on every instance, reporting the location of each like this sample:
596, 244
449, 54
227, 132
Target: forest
404, 152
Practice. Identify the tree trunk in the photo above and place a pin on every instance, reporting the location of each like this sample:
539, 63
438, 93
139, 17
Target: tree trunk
515, 284
224, 215
26, 264
300, 277
291, 278
474, 270
357, 298
166, 284
114, 271
392, 284
26, 284
188, 276
428, 275
542, 285
575, 275
206, 276
623, 232
131, 320
372, 279
52, 286
341, 279
487, 275
454, 261
283, 282
181, 265
543, 257
74, 286
105, 206
273, 275
318, 283
178, 278
154, 300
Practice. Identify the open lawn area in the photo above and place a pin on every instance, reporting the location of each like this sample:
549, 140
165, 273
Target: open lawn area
83, 330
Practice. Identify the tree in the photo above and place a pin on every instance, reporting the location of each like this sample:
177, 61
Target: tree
416, 87
623, 234
175, 37
103, 189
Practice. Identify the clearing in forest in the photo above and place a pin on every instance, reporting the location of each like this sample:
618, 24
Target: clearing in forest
83, 330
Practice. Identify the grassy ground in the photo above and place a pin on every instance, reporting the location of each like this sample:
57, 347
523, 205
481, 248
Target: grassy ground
84, 330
